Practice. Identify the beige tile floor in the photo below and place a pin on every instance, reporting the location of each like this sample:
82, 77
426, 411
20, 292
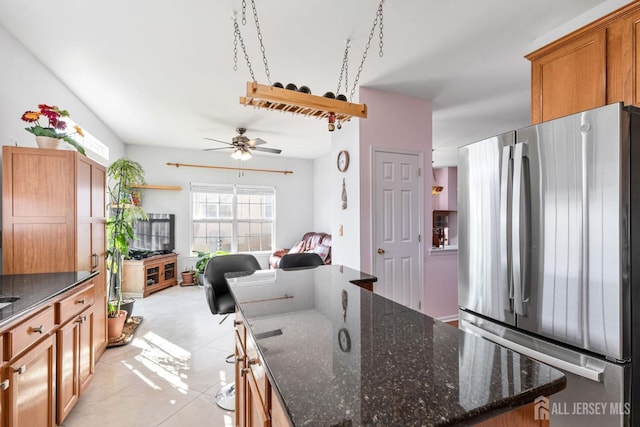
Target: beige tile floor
169, 374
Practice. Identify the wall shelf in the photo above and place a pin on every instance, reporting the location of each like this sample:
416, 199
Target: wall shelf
158, 187
285, 100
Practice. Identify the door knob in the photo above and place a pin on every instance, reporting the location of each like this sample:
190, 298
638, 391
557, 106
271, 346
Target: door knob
380, 251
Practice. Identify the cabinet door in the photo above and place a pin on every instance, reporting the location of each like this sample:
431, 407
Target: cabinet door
569, 79
241, 387
86, 363
31, 393
257, 409
100, 325
37, 210
68, 345
75, 366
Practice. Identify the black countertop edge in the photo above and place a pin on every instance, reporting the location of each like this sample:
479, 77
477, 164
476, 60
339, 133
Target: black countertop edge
508, 404
33, 304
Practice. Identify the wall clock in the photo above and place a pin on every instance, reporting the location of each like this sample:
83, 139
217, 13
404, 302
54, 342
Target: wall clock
344, 340
343, 160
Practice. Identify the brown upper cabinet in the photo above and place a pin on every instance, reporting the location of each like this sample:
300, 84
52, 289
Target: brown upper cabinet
593, 66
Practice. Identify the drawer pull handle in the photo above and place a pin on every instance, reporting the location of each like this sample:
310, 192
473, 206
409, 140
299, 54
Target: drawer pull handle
4, 385
232, 358
82, 319
38, 329
254, 361
21, 370
237, 322
244, 371
80, 301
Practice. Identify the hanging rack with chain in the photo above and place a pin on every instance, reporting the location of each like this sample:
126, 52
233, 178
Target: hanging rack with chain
275, 97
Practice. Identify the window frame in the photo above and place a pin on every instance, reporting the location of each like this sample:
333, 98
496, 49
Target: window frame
234, 190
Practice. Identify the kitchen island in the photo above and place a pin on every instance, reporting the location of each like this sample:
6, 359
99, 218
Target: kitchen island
315, 349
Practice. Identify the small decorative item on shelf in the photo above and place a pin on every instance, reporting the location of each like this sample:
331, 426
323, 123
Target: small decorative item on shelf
136, 198
49, 136
304, 89
343, 198
341, 97
329, 95
278, 84
291, 86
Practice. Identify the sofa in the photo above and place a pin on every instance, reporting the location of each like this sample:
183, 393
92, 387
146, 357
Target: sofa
312, 241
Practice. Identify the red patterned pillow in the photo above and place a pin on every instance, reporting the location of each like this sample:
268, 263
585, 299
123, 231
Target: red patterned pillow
323, 251
297, 248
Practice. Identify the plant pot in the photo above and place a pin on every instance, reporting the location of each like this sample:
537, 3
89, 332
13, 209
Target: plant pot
47, 142
187, 277
115, 324
127, 305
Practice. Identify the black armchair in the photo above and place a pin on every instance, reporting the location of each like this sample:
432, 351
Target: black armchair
215, 285
220, 301
299, 260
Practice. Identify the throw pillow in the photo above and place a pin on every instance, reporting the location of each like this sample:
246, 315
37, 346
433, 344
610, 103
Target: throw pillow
297, 248
323, 251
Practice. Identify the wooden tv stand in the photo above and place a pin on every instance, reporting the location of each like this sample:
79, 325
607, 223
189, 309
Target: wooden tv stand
142, 277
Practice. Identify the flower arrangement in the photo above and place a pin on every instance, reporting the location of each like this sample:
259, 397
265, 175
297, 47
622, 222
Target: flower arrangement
55, 127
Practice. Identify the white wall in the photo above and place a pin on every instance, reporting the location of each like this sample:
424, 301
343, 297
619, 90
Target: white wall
323, 169
25, 83
346, 248
294, 192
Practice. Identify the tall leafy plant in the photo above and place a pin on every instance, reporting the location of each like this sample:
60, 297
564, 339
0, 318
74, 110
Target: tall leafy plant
123, 175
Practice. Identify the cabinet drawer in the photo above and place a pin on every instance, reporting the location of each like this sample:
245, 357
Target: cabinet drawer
74, 304
29, 331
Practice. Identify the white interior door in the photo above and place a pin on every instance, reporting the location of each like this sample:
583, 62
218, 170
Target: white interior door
396, 241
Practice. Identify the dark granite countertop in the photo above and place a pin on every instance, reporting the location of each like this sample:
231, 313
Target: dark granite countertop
35, 289
349, 357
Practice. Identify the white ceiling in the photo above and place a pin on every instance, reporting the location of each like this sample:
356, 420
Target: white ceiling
160, 72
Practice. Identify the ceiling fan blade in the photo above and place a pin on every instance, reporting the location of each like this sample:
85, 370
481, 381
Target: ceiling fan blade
267, 150
256, 141
217, 140
219, 148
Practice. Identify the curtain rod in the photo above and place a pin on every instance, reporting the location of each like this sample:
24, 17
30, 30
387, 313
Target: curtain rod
227, 168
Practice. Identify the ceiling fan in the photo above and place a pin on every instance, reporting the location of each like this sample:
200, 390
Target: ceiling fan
241, 146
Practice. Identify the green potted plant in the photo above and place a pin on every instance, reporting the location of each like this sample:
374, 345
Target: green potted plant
123, 175
203, 259
49, 136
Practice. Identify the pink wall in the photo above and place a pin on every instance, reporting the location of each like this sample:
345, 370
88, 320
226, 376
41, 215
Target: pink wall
404, 122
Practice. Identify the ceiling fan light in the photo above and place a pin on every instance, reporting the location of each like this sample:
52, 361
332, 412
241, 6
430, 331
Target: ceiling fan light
246, 155
237, 154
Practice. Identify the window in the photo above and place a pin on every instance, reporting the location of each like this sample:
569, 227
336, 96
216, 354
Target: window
88, 141
232, 218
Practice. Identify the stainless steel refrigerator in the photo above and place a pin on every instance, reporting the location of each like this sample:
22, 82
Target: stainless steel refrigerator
548, 262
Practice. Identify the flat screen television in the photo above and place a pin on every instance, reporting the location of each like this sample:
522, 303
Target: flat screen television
155, 235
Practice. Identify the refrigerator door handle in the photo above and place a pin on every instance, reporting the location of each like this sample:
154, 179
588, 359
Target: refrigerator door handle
520, 218
583, 371
506, 174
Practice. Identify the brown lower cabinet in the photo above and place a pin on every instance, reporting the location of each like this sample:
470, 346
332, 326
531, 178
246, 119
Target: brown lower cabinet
48, 360
30, 396
256, 403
